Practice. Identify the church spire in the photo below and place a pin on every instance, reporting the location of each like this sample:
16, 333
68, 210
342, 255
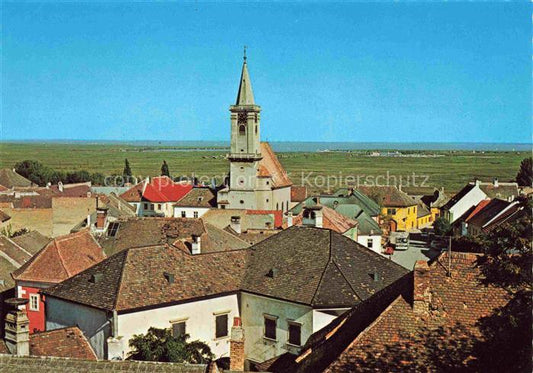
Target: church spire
245, 96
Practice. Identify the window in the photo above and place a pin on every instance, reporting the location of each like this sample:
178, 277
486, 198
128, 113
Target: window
195, 214
369, 243
242, 130
270, 327
112, 229
146, 206
295, 333
34, 302
221, 322
183, 214
159, 206
391, 211
179, 329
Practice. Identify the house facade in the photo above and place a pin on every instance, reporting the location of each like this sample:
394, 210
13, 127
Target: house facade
465, 199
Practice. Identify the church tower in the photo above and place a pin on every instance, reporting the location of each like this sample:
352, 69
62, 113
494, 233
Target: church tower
245, 149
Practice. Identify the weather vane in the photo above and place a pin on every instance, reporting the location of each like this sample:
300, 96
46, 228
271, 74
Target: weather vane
245, 52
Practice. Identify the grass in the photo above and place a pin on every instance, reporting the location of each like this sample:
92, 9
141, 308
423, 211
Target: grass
450, 170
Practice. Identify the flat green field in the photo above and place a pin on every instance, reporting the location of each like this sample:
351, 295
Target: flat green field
447, 169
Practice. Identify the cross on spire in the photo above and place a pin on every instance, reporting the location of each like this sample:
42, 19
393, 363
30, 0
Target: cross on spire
245, 53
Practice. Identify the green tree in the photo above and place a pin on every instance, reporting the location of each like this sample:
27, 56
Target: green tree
525, 173
160, 345
34, 171
164, 169
441, 226
127, 170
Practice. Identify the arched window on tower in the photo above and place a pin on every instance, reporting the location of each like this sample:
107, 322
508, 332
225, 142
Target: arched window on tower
242, 129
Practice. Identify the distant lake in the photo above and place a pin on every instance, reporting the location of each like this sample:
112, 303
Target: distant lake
298, 146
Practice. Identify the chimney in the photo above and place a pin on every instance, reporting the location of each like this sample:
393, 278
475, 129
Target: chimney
17, 333
313, 216
89, 220
289, 219
495, 182
196, 245
400, 187
421, 291
60, 186
101, 217
236, 347
236, 224
477, 182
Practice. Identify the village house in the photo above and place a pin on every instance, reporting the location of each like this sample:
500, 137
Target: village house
434, 202
60, 259
363, 225
195, 203
156, 196
395, 204
257, 180
280, 288
443, 292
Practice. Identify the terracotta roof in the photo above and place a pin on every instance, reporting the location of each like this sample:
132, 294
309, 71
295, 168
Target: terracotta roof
27, 201
6, 267
134, 194
135, 232
59, 365
316, 267
132, 272
66, 342
298, 193
387, 196
62, 258
277, 214
480, 206
72, 190
461, 298
198, 197
4, 217
270, 166
10, 179
488, 212
14, 252
32, 241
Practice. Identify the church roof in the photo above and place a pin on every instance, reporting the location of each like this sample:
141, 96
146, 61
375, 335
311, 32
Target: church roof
245, 96
270, 166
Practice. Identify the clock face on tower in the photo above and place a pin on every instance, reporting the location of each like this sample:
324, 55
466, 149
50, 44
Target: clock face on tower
243, 118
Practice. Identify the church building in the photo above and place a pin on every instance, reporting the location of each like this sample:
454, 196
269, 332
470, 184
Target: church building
257, 180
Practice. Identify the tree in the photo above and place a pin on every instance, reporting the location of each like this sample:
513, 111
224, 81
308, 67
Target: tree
164, 169
442, 226
525, 173
34, 171
160, 345
127, 170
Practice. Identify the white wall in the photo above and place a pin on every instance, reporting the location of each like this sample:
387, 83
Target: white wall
189, 211
472, 198
92, 322
253, 309
321, 318
199, 316
376, 242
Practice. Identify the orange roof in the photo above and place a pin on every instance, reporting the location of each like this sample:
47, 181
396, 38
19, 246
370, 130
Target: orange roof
159, 189
269, 166
480, 206
66, 342
62, 258
298, 193
331, 219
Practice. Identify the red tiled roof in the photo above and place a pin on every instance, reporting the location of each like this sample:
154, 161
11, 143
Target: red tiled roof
62, 258
164, 189
477, 209
331, 220
298, 193
66, 342
270, 166
134, 194
278, 215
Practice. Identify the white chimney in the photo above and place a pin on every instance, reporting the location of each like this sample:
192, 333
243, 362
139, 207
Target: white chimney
196, 245
495, 182
60, 186
289, 219
477, 182
17, 327
236, 224
89, 220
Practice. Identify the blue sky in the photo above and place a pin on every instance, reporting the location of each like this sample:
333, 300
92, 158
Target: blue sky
387, 72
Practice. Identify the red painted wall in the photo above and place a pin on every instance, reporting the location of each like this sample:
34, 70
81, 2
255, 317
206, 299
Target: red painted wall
37, 318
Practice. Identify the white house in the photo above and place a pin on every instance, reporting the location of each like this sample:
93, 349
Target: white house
196, 203
467, 197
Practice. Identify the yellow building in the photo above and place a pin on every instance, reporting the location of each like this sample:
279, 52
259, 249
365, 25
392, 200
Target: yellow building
401, 209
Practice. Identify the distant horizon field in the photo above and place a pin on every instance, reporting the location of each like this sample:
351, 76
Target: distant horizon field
450, 169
